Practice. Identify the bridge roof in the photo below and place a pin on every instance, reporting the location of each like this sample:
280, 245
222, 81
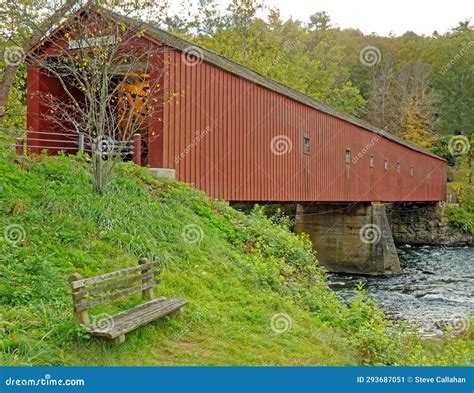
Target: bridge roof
246, 73
253, 76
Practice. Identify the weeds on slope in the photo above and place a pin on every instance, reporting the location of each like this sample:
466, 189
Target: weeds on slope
255, 288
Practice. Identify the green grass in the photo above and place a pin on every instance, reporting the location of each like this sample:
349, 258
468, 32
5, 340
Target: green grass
244, 270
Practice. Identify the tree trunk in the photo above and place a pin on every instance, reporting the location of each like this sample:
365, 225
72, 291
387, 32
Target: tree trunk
5, 85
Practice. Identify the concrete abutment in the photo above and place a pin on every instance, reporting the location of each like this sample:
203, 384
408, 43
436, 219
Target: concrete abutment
350, 238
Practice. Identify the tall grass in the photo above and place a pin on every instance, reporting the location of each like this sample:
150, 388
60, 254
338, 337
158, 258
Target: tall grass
242, 274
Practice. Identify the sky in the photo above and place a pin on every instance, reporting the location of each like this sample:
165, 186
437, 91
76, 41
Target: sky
382, 16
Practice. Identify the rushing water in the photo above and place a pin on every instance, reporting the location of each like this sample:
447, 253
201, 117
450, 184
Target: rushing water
436, 287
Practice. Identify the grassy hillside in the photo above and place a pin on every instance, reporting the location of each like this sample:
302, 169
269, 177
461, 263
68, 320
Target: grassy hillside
246, 277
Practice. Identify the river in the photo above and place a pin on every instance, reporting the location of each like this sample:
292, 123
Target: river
435, 289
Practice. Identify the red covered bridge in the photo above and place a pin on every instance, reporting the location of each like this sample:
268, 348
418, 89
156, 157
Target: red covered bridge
240, 136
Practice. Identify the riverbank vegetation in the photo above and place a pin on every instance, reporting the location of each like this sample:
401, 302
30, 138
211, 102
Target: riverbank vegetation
462, 215
257, 295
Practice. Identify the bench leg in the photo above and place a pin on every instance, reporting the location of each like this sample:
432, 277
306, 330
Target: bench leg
177, 313
119, 340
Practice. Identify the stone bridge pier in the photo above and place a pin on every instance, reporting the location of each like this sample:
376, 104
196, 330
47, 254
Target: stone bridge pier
350, 237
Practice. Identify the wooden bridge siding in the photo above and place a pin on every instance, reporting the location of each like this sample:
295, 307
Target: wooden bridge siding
38, 85
235, 162
34, 108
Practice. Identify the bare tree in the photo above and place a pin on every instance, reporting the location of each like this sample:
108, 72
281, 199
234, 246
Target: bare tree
109, 79
385, 108
402, 102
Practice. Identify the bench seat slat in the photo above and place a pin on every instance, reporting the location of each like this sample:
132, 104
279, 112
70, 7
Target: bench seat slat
134, 318
120, 283
109, 298
129, 320
107, 276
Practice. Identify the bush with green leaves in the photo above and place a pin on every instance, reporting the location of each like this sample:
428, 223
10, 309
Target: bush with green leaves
462, 215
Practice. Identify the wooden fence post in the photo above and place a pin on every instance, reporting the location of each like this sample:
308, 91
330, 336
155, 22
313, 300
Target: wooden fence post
82, 317
148, 293
20, 145
137, 149
81, 143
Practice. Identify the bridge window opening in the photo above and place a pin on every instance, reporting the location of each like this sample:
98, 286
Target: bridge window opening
398, 167
385, 165
372, 162
306, 144
348, 156
132, 94
412, 171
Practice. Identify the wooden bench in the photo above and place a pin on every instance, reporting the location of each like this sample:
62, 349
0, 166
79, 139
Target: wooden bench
115, 327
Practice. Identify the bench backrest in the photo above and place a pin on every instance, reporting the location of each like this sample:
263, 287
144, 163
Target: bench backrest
91, 292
